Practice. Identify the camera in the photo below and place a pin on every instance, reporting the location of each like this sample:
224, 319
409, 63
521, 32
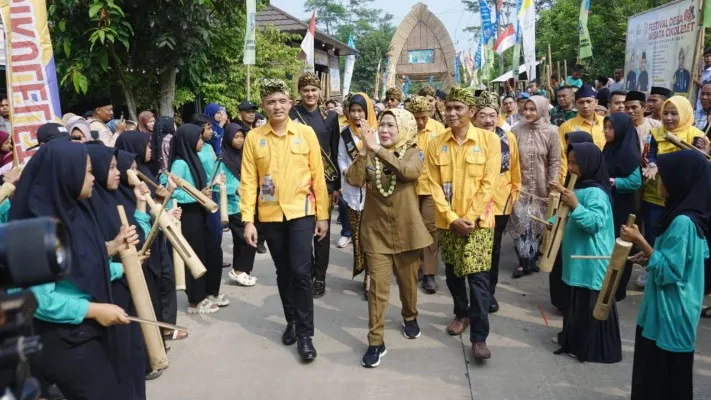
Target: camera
32, 252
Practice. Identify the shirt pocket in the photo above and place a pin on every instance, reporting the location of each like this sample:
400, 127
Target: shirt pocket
444, 163
475, 165
301, 150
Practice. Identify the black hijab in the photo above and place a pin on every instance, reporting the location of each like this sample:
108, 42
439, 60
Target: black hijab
163, 126
102, 202
623, 156
136, 142
231, 156
50, 186
184, 147
593, 172
686, 176
578, 137
361, 101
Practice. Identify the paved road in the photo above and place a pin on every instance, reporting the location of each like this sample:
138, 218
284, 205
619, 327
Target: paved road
237, 354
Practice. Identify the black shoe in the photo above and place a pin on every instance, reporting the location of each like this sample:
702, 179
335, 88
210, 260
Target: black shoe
429, 284
261, 249
306, 349
319, 289
493, 305
411, 330
289, 336
420, 275
371, 358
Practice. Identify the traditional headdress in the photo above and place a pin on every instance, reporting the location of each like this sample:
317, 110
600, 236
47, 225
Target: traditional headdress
270, 86
394, 92
418, 104
428, 91
487, 99
309, 79
461, 95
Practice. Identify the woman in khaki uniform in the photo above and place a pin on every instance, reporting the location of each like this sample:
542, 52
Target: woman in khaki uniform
393, 233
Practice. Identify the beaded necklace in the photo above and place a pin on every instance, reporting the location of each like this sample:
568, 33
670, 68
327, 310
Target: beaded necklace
379, 174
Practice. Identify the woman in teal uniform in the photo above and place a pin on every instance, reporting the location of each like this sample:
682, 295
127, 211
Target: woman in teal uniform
669, 315
589, 231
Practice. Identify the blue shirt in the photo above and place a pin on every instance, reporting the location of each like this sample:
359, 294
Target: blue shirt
630, 183
208, 160
181, 169
674, 292
232, 184
4, 211
590, 231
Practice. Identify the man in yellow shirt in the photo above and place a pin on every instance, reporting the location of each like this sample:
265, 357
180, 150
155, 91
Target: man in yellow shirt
428, 129
587, 120
283, 179
507, 184
463, 164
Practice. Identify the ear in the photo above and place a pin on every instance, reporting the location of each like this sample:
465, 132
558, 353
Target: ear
472, 113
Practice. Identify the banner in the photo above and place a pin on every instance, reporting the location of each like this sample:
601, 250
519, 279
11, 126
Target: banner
250, 39
457, 76
661, 47
334, 70
31, 75
527, 19
348, 70
585, 43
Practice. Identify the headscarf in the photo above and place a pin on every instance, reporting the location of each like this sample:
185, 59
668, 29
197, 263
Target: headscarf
364, 101
686, 176
136, 142
543, 113
231, 156
66, 117
102, 202
49, 187
686, 113
578, 137
77, 122
124, 194
143, 119
623, 156
163, 127
218, 131
407, 129
5, 156
593, 171
184, 148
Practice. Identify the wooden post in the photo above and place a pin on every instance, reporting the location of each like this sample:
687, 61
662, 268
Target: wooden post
142, 301
249, 82
550, 58
615, 268
565, 72
558, 62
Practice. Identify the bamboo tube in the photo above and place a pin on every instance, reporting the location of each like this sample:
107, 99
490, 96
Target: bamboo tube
6, 190
556, 234
547, 224
615, 268
553, 203
224, 216
142, 301
144, 178
134, 181
178, 263
203, 200
683, 145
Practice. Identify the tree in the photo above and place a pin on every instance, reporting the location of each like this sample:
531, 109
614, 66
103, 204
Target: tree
330, 13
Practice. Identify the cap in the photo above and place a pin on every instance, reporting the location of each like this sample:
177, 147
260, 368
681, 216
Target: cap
247, 106
634, 95
662, 91
585, 91
49, 131
523, 96
98, 102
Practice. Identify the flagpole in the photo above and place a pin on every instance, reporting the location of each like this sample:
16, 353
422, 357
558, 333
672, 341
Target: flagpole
249, 82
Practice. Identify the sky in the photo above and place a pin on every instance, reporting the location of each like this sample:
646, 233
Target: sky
452, 13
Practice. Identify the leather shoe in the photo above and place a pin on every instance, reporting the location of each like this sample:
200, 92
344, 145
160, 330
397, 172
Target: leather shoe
480, 351
457, 326
306, 349
429, 284
289, 336
493, 305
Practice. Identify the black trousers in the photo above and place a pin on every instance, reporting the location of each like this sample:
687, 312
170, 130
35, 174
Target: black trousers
501, 221
166, 284
242, 253
322, 252
290, 246
474, 304
202, 239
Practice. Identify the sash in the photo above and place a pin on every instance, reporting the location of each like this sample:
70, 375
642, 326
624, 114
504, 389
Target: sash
351, 146
330, 170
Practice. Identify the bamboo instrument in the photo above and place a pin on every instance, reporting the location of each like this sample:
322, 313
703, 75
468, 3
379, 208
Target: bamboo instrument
203, 200
224, 216
556, 234
134, 181
144, 178
547, 224
683, 145
6, 190
533, 196
142, 301
613, 275
157, 323
178, 263
553, 203
174, 234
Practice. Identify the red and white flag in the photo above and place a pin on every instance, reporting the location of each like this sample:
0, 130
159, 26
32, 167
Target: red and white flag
506, 40
307, 45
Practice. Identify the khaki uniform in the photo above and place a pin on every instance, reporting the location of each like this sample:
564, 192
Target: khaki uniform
393, 233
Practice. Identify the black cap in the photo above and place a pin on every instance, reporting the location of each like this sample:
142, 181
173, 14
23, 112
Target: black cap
98, 102
662, 91
442, 95
50, 131
634, 95
585, 91
247, 106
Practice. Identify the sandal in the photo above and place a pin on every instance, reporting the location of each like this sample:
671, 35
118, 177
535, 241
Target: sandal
203, 307
706, 312
220, 300
175, 335
242, 278
155, 374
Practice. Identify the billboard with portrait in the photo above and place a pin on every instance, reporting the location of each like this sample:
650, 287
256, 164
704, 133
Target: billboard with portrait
661, 47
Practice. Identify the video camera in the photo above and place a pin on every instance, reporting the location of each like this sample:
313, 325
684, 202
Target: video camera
32, 252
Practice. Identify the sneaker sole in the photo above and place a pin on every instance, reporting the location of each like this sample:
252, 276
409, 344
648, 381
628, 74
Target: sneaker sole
408, 337
377, 363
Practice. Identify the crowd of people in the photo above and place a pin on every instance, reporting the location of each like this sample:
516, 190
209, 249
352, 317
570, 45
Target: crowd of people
436, 176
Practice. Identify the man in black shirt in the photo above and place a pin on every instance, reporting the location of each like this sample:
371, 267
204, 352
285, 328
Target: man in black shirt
325, 124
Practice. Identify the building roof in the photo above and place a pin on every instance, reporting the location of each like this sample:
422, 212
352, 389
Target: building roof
286, 22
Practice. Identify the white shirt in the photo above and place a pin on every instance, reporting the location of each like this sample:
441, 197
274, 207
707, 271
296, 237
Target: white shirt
352, 195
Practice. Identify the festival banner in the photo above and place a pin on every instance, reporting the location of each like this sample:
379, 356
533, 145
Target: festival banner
31, 75
585, 43
527, 19
250, 38
348, 70
661, 47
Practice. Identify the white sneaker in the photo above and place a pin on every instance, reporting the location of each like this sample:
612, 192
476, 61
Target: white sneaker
343, 241
242, 278
220, 300
642, 279
203, 307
